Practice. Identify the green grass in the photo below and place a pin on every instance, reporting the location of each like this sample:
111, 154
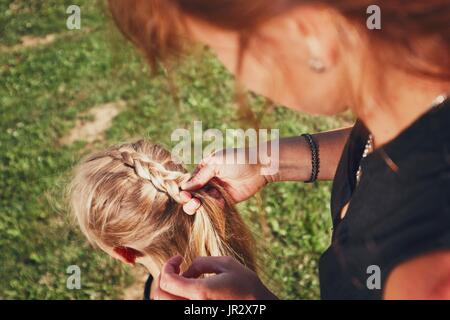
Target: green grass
44, 89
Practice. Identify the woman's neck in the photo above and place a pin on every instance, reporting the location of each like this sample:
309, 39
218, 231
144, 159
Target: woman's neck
407, 99
154, 271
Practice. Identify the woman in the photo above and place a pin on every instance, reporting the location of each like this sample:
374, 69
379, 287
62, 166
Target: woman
391, 171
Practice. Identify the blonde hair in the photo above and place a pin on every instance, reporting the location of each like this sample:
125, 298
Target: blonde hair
129, 197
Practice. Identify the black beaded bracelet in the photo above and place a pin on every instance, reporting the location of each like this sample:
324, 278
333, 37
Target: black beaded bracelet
315, 161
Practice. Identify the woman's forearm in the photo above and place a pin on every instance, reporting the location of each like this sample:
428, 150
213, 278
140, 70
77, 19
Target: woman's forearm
295, 156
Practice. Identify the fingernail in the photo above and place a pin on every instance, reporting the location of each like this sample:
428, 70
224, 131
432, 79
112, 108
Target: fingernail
192, 206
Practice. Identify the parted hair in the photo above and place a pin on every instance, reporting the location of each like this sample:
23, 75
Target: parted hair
126, 200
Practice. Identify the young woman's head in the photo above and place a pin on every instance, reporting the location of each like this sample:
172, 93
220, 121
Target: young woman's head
127, 202
314, 56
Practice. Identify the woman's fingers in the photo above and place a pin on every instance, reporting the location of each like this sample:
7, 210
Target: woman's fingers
230, 280
202, 265
202, 177
173, 264
174, 284
185, 196
191, 206
161, 294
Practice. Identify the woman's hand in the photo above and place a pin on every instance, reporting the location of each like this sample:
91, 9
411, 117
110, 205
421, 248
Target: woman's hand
293, 162
231, 281
241, 181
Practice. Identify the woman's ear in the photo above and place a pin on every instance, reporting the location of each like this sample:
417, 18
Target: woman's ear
128, 255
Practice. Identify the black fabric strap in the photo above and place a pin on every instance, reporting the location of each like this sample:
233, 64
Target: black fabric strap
315, 160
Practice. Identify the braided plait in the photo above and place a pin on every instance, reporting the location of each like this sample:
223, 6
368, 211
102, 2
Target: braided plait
205, 241
128, 196
162, 179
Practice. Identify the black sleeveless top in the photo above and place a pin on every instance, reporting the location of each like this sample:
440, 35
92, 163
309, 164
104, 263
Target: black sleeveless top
399, 210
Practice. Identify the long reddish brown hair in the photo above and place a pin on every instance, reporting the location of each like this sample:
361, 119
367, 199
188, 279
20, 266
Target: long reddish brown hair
156, 26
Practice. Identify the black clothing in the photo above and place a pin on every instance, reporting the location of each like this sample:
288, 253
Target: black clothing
399, 210
147, 287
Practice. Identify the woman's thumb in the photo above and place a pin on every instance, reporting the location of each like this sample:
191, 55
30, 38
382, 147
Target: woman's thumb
200, 179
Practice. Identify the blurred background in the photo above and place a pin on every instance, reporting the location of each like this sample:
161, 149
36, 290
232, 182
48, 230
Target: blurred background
64, 93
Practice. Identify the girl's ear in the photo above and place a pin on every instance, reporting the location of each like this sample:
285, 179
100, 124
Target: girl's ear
128, 255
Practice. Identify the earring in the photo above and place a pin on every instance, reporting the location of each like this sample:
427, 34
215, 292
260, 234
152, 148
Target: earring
317, 65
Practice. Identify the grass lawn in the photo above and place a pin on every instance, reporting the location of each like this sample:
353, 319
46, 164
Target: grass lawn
47, 88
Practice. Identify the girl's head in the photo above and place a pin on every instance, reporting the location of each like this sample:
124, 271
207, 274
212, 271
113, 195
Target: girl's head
314, 56
127, 202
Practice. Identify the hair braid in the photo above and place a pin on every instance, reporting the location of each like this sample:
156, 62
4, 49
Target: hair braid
205, 242
120, 198
163, 180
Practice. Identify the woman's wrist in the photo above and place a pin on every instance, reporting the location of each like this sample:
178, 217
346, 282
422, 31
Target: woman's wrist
293, 162
315, 158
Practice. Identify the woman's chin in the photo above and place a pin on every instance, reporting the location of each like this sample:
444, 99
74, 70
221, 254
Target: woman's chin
320, 110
